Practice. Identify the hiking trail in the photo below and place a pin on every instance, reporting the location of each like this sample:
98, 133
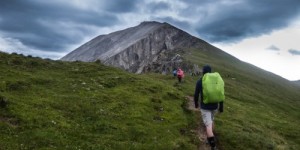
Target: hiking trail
200, 130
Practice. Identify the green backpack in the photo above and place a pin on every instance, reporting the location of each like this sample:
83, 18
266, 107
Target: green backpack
213, 88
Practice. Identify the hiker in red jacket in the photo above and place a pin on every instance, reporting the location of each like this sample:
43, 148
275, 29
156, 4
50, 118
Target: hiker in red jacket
180, 74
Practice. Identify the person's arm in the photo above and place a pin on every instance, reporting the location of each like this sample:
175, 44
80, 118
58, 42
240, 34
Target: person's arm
196, 95
221, 107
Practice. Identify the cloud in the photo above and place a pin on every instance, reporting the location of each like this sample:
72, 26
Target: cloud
51, 26
226, 21
55, 25
273, 48
155, 7
121, 6
10, 45
294, 52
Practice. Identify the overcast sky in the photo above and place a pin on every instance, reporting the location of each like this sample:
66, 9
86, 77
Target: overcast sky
262, 32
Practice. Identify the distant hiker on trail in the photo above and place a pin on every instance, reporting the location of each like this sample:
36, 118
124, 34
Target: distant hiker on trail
175, 72
211, 89
180, 74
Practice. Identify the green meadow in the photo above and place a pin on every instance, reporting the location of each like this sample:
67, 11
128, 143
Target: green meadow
46, 104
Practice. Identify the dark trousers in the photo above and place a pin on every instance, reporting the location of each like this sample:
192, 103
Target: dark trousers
179, 79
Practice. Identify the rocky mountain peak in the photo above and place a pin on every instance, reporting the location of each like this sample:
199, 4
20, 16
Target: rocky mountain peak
135, 48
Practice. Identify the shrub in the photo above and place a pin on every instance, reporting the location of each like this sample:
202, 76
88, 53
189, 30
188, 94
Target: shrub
15, 86
16, 61
3, 102
98, 61
32, 63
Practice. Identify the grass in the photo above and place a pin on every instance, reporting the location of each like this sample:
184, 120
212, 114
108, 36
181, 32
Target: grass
62, 105
261, 110
47, 104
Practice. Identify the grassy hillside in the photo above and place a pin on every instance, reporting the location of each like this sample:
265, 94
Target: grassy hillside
59, 105
71, 105
261, 109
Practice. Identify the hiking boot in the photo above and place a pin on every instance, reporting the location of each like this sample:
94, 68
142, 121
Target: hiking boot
212, 142
206, 142
213, 148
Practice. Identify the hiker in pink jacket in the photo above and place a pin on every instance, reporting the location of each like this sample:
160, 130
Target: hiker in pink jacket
180, 74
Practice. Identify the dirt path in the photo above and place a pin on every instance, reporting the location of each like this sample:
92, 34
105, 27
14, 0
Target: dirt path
200, 129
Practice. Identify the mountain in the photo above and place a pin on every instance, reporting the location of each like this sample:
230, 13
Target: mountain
297, 82
136, 49
158, 47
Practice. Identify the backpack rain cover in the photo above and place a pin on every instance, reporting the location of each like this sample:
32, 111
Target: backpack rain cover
213, 88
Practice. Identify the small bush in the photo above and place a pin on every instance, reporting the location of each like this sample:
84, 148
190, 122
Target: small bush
16, 61
110, 84
3, 102
32, 63
2, 86
40, 81
98, 61
15, 86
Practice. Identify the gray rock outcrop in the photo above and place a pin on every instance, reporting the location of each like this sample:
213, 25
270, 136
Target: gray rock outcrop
136, 49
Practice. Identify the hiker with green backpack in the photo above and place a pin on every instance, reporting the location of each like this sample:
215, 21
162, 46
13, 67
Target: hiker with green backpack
211, 89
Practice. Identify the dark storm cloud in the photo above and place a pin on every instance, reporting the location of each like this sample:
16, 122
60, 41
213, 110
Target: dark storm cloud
36, 24
172, 21
232, 21
294, 52
121, 6
157, 6
55, 25
273, 48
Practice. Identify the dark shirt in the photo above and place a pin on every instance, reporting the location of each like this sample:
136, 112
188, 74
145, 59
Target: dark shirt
211, 106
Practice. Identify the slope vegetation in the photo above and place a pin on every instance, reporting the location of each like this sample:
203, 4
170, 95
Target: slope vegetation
49, 104
261, 109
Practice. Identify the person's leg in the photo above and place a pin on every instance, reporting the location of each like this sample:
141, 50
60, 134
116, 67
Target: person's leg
209, 130
207, 117
212, 139
213, 124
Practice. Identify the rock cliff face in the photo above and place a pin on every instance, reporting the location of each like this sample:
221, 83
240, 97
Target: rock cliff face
136, 49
